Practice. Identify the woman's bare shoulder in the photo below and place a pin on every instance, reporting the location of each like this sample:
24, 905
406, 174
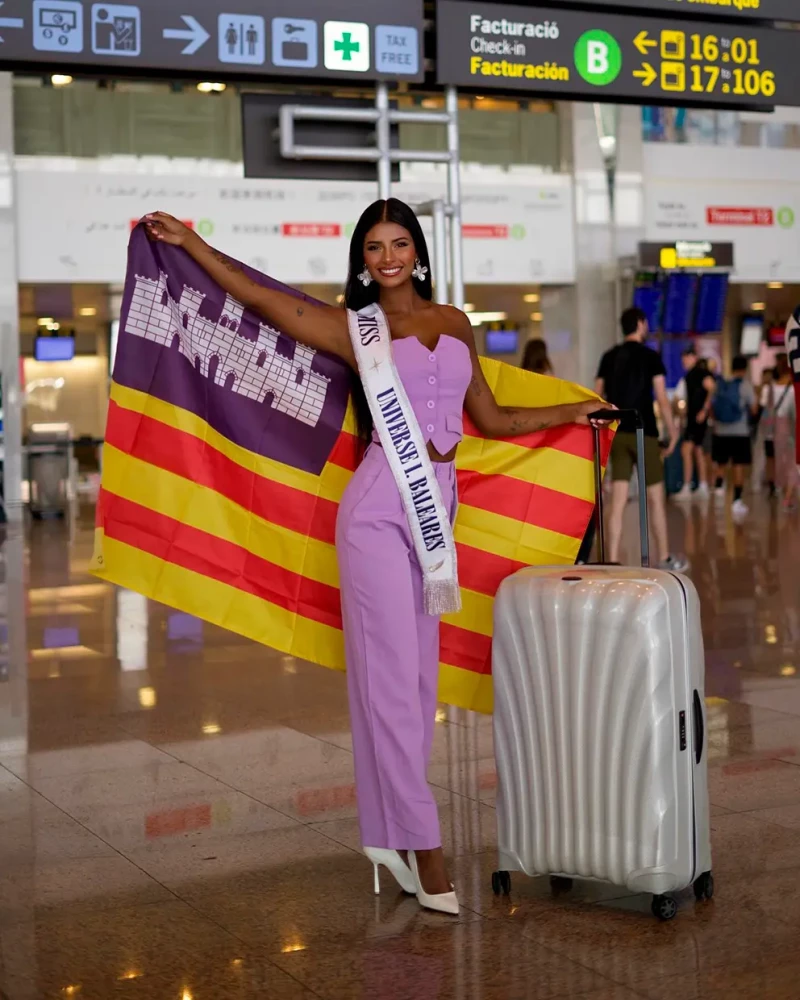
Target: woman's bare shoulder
454, 321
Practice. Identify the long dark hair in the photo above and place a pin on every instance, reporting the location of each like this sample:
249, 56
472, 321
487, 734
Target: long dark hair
535, 358
356, 296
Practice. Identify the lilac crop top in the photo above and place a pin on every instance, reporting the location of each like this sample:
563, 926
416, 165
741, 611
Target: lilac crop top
436, 383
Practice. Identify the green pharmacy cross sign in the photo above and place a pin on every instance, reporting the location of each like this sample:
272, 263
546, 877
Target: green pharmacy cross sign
346, 46
586, 54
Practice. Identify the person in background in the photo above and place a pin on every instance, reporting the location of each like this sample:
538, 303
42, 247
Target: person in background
535, 357
786, 472
766, 402
629, 376
696, 389
734, 404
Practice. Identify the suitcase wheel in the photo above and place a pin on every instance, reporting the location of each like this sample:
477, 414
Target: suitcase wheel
704, 887
664, 907
559, 884
501, 883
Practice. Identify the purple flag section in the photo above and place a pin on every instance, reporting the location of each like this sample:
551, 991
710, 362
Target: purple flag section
183, 340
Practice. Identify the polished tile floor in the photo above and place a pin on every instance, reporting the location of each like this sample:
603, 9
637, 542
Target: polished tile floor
177, 815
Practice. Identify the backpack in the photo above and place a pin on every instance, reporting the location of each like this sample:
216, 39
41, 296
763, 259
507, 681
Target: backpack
728, 401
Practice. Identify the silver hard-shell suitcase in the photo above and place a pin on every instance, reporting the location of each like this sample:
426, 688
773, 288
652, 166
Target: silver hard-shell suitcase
599, 726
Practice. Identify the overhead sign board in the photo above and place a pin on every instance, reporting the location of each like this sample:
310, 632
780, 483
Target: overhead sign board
696, 255
585, 54
734, 10
331, 39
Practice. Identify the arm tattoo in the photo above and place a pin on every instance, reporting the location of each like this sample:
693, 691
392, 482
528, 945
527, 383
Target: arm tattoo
300, 310
227, 262
522, 422
475, 386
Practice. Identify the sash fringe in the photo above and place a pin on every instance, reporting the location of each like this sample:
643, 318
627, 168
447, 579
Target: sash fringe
442, 597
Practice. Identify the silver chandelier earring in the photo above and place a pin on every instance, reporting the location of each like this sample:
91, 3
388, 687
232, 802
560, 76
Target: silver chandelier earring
419, 271
365, 277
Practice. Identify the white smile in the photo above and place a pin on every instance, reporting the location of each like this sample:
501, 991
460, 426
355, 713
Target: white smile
390, 272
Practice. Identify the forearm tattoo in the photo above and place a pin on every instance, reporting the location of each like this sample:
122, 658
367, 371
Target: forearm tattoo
475, 386
226, 262
523, 421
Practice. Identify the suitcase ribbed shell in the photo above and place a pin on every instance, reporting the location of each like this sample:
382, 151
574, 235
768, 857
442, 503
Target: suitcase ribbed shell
592, 669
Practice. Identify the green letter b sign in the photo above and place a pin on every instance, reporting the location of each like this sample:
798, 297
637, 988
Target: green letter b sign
598, 57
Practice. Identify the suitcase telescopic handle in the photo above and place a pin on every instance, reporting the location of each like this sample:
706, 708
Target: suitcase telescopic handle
644, 527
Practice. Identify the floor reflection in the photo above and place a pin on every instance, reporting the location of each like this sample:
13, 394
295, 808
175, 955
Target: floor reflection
177, 811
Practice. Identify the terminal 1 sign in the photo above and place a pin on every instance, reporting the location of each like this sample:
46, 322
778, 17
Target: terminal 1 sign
765, 10
586, 54
331, 39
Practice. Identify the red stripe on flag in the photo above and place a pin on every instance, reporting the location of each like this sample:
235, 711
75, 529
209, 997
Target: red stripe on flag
193, 459
217, 559
483, 572
469, 650
535, 505
347, 452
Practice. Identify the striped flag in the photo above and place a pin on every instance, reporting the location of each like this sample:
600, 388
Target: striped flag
228, 449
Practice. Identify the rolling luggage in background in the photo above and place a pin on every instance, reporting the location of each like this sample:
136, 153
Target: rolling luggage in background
599, 726
49, 457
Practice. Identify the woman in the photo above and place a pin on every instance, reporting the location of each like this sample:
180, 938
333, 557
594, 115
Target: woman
766, 428
392, 645
786, 475
535, 358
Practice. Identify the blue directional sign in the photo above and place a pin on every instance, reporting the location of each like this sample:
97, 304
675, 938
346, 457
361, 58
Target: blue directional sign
329, 39
295, 42
116, 30
397, 50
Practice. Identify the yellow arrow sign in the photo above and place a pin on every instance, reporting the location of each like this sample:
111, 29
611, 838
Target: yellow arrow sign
646, 74
643, 42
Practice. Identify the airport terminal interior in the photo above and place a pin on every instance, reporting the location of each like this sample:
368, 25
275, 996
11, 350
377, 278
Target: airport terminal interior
179, 817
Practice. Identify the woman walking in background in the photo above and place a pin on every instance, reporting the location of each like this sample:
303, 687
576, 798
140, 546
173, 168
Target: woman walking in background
535, 358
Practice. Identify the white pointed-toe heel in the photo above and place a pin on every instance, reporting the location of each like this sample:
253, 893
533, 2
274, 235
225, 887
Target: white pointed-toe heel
392, 861
442, 902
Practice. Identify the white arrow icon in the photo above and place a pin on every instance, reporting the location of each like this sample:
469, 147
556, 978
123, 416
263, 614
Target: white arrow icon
10, 22
194, 34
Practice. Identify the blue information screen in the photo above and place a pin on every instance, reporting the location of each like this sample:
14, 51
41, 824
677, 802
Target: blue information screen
502, 341
712, 301
679, 303
54, 348
649, 297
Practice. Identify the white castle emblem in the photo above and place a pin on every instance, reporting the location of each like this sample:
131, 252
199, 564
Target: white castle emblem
251, 368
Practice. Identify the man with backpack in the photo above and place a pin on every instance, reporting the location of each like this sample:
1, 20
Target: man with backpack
734, 405
630, 375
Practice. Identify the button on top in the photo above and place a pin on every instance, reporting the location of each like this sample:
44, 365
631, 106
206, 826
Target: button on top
432, 380
431, 357
431, 404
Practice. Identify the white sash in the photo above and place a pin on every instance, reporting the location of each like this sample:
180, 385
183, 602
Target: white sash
402, 441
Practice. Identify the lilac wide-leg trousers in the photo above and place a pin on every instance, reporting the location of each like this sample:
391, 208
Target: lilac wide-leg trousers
392, 650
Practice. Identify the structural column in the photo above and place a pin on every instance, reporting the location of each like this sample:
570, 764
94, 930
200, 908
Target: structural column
582, 321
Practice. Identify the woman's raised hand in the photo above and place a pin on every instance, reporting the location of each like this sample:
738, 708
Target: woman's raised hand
167, 229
